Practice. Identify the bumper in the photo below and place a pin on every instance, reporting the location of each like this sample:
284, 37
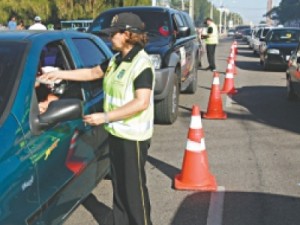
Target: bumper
277, 60
163, 82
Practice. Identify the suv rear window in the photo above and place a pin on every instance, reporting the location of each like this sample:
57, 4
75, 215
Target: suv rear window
11, 54
155, 22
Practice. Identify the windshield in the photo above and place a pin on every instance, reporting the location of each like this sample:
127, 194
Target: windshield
75, 24
155, 22
285, 35
11, 54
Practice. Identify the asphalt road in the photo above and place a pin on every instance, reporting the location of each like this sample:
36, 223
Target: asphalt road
254, 155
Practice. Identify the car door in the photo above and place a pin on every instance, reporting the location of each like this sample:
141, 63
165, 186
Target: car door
66, 155
19, 195
182, 48
294, 66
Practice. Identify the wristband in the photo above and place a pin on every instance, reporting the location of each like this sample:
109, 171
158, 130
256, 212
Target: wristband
106, 120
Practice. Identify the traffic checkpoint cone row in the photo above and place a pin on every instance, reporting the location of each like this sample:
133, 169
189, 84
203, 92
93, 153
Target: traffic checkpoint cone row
215, 106
195, 174
228, 87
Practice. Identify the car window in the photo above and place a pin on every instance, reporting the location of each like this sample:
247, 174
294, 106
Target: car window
189, 22
89, 52
54, 56
91, 55
158, 26
11, 55
284, 35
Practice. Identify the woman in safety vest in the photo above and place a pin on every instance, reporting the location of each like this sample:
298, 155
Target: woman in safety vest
128, 115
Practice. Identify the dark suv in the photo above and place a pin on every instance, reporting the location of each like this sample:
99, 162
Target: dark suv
173, 48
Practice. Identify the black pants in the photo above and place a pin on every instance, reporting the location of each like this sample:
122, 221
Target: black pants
210, 50
131, 204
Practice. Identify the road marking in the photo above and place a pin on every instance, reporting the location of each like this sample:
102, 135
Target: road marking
215, 211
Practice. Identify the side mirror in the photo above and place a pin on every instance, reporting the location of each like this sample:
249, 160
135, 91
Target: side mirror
60, 111
183, 31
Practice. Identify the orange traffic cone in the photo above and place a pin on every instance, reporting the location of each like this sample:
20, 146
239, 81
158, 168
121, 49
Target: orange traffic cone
230, 60
215, 108
195, 173
232, 52
228, 87
235, 46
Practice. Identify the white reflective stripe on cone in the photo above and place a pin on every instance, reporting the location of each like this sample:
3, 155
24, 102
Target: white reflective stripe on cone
195, 146
196, 122
216, 80
229, 75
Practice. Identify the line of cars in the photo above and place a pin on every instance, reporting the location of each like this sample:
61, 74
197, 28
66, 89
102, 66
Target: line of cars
279, 50
51, 161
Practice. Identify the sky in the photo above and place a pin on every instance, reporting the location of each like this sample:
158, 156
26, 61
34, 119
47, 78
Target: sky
251, 11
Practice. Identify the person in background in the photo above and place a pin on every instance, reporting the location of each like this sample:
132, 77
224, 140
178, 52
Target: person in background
37, 24
12, 24
128, 115
211, 41
21, 25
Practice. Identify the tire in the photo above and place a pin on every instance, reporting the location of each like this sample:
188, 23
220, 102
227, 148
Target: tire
166, 110
192, 88
291, 95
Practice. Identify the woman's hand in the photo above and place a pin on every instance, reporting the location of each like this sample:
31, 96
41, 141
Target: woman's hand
94, 119
51, 76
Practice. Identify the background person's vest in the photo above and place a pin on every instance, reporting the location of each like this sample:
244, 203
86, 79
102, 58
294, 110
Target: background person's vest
119, 90
213, 37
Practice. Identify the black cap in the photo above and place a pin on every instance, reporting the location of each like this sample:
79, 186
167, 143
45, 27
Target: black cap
125, 21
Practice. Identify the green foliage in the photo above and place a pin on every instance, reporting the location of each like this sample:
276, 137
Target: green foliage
286, 11
52, 11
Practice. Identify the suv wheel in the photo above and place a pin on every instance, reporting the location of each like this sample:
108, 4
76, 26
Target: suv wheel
166, 110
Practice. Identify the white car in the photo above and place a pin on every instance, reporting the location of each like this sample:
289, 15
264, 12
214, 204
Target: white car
258, 37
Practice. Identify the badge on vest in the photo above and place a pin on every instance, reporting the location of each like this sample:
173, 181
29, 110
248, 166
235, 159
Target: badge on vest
121, 74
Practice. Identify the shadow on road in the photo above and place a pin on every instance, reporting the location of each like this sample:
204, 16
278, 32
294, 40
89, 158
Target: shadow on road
241, 208
269, 105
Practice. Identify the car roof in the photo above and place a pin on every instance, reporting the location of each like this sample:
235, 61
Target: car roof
140, 9
285, 28
30, 35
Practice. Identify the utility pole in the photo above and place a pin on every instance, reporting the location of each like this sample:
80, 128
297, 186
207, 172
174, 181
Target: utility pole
191, 9
269, 7
211, 15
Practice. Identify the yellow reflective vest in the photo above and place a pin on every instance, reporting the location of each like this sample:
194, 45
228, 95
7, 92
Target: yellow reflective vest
213, 37
118, 90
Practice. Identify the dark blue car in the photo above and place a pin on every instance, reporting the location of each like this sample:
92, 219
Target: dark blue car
50, 160
277, 47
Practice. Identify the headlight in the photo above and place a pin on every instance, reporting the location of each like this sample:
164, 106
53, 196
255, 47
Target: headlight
273, 51
156, 61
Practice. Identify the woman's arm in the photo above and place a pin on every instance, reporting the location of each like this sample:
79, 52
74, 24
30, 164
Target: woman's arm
75, 75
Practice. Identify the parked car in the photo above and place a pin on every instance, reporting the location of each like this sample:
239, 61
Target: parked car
230, 33
258, 37
238, 31
293, 74
50, 162
174, 49
277, 47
